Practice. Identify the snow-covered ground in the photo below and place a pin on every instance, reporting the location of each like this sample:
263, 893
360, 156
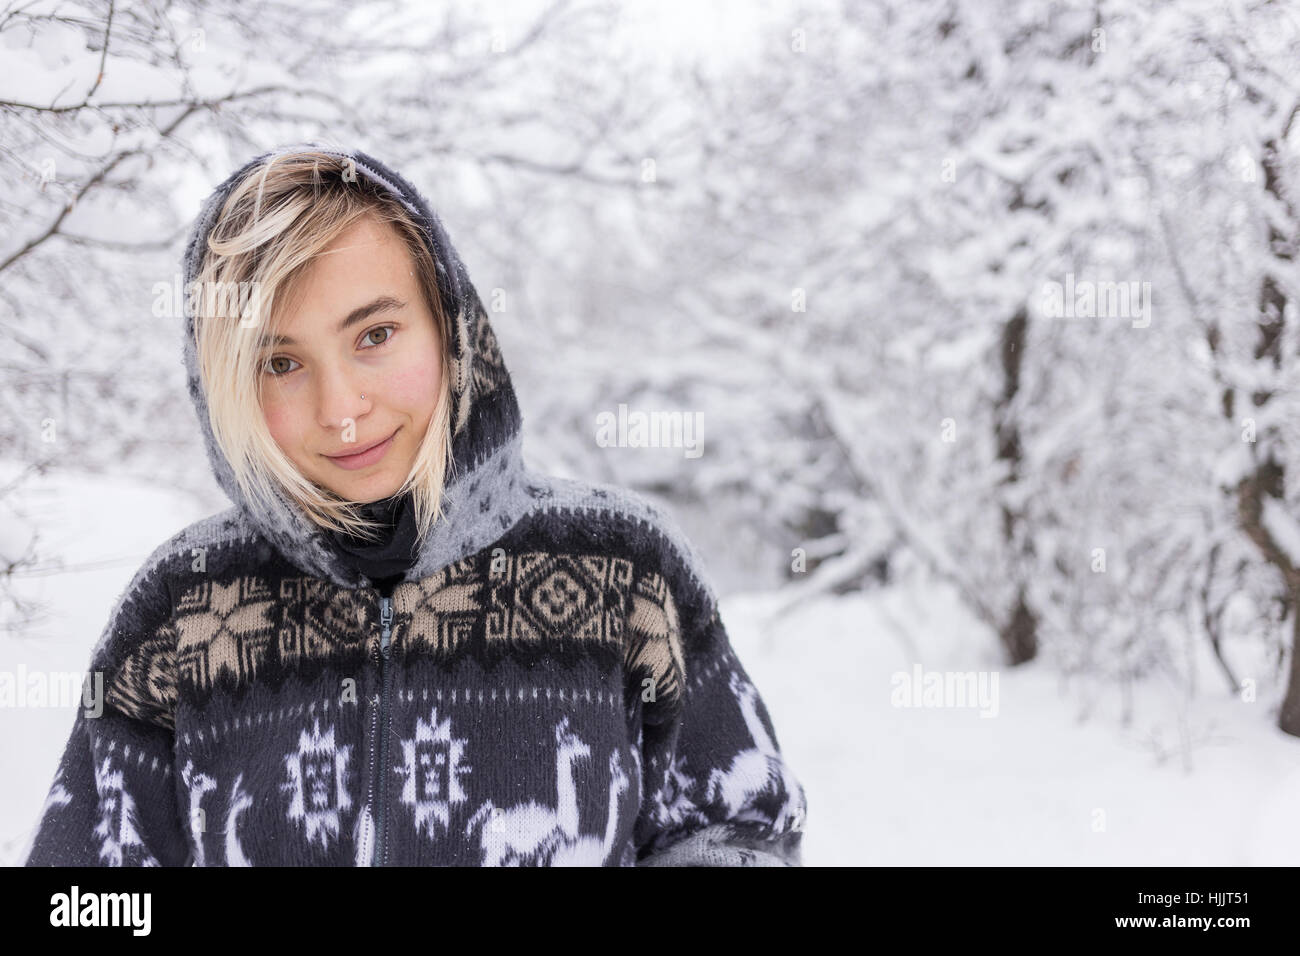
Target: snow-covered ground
886, 784
1032, 785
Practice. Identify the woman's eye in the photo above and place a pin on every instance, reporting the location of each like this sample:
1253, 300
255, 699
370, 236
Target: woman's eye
271, 367
388, 329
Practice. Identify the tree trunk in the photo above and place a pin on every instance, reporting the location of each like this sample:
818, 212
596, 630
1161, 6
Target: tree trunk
1019, 633
1269, 477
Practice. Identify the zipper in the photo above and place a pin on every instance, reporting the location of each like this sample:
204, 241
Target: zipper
381, 770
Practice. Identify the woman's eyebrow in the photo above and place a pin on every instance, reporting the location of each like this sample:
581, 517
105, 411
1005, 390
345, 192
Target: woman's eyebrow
385, 303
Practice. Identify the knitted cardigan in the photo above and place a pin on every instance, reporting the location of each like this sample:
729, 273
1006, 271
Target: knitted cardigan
550, 685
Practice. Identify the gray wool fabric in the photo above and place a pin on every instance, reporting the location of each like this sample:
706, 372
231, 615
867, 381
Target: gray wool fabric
551, 684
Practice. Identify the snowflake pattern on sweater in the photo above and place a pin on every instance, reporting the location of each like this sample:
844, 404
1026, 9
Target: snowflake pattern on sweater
552, 684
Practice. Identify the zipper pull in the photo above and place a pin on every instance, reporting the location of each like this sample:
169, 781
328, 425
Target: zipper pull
385, 618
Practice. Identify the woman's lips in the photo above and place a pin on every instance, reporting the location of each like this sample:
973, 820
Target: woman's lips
364, 459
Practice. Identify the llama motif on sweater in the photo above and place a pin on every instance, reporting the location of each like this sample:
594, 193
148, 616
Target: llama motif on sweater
551, 685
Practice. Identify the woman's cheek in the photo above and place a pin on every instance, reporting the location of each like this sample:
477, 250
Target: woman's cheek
413, 388
278, 422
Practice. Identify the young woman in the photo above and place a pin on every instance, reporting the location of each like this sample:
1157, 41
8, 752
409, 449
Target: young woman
401, 646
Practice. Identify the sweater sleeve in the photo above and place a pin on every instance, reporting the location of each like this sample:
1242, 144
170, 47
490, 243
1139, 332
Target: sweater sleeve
717, 789
114, 799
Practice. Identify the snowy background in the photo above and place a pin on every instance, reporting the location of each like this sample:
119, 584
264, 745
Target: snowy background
989, 311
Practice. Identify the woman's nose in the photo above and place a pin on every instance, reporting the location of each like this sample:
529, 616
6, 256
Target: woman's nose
341, 400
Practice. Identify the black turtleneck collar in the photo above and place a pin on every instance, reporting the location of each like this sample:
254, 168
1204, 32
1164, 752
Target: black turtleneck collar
385, 559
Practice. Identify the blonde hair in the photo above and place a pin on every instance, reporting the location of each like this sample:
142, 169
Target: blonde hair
281, 215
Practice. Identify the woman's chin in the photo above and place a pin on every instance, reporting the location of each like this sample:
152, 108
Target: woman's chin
367, 488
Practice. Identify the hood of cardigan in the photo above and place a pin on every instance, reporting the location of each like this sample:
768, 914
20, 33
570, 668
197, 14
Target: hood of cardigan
483, 496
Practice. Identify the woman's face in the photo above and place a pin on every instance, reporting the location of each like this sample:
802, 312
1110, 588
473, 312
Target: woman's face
357, 326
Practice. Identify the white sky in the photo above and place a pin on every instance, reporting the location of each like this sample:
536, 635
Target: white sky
713, 30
